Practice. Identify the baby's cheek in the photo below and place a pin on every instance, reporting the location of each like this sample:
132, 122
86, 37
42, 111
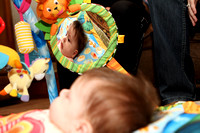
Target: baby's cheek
54, 107
56, 111
52, 114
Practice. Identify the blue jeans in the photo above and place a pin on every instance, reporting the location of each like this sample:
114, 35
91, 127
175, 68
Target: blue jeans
174, 69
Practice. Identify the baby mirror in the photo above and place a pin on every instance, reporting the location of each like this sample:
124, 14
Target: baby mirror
101, 31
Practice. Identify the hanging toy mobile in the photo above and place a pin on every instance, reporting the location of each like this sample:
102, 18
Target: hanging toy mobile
20, 79
9, 57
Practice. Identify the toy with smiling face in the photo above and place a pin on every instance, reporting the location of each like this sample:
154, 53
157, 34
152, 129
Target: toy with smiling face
50, 10
20, 79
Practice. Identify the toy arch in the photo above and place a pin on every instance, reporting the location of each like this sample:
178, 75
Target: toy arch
107, 56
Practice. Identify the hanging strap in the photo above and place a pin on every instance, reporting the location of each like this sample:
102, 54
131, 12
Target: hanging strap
23, 8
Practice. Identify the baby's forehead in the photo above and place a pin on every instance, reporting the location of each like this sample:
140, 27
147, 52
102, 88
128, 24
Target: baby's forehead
72, 30
72, 25
89, 83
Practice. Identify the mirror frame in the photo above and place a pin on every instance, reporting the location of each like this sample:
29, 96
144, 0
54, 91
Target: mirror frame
101, 62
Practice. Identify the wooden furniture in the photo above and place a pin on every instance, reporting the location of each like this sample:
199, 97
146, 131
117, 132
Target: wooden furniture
7, 36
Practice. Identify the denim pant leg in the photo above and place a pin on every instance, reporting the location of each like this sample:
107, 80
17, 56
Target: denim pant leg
174, 70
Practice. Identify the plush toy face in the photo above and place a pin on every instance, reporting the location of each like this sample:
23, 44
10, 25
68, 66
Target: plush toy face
50, 10
40, 71
19, 77
54, 8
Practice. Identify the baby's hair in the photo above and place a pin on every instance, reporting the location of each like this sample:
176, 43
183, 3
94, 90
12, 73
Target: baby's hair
80, 36
121, 104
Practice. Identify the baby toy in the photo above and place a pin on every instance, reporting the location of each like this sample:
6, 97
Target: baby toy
106, 52
23, 32
27, 14
9, 57
24, 40
2, 25
20, 79
50, 10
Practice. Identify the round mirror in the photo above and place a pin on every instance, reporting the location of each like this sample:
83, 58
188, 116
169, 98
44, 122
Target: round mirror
101, 31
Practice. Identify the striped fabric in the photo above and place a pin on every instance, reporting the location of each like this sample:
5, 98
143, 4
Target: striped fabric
24, 37
113, 64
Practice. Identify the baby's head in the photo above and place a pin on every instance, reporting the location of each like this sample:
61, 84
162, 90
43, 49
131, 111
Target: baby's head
104, 101
75, 40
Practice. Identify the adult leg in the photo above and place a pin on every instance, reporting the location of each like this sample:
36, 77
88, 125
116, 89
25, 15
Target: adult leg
132, 21
174, 70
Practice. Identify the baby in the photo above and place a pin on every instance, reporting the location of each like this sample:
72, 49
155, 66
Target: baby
74, 42
104, 101
99, 101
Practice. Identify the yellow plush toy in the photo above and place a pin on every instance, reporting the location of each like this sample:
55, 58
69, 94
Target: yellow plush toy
9, 57
20, 79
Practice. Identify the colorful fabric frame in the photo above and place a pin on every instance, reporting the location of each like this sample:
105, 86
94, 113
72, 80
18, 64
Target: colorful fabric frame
94, 48
79, 68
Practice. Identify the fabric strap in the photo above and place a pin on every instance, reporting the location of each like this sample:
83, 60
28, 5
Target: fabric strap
23, 8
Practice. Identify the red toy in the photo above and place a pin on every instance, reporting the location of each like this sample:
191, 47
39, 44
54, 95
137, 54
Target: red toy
2, 25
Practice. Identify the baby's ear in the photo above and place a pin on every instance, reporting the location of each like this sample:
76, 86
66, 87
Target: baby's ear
83, 126
41, 7
75, 53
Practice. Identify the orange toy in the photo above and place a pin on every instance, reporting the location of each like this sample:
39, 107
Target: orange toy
50, 10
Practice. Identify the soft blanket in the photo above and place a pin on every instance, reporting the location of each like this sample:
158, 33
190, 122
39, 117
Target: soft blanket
181, 117
32, 121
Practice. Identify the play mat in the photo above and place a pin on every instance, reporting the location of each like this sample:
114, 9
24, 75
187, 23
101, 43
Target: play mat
181, 117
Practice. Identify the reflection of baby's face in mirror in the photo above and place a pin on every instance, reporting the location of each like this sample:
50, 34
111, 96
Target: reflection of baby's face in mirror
69, 44
74, 41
